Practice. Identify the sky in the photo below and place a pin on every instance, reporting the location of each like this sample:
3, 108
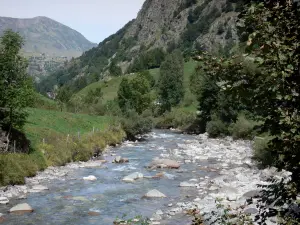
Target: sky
95, 19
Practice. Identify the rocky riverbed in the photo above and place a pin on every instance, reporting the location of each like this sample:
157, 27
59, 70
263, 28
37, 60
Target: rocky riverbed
162, 178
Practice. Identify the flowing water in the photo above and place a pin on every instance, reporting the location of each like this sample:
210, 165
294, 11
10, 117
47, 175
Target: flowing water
68, 202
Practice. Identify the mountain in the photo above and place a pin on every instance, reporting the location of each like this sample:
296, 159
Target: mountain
44, 35
48, 44
160, 27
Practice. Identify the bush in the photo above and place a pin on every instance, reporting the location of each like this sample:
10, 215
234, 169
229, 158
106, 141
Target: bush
135, 125
177, 118
216, 128
262, 152
243, 128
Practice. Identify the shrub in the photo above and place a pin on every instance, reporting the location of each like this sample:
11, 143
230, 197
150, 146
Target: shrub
177, 118
135, 125
243, 128
262, 153
216, 128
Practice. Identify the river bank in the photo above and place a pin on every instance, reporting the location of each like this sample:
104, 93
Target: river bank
209, 169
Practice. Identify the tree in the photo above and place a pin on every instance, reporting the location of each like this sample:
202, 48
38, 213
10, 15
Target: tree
134, 94
93, 96
16, 87
114, 69
63, 96
271, 29
149, 77
171, 90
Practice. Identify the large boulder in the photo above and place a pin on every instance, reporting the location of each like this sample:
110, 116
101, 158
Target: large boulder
132, 177
90, 178
154, 194
164, 163
21, 208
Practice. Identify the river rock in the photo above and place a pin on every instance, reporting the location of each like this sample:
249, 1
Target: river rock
164, 163
252, 194
251, 211
154, 194
119, 159
92, 213
2, 219
90, 178
4, 200
21, 208
186, 184
38, 188
91, 164
132, 177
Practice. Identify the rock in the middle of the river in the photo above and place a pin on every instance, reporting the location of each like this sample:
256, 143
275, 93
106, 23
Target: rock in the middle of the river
164, 163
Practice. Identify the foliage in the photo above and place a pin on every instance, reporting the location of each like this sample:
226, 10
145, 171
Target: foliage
170, 83
272, 92
63, 96
216, 128
114, 69
134, 94
15, 85
149, 77
243, 128
261, 151
147, 60
177, 118
134, 125
93, 96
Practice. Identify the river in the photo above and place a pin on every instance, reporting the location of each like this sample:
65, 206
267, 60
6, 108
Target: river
206, 162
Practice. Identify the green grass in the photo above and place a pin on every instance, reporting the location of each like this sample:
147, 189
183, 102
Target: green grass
43, 102
41, 122
53, 127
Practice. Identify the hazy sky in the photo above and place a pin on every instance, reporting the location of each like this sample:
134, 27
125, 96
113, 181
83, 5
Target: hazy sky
95, 19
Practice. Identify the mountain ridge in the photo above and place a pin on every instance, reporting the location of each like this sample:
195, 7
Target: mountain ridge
160, 27
48, 36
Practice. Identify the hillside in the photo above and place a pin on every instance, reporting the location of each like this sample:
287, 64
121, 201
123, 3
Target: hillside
48, 44
160, 27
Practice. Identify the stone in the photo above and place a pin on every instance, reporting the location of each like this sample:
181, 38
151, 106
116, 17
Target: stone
251, 211
164, 163
90, 178
159, 212
92, 164
92, 213
252, 194
132, 177
4, 200
21, 208
38, 188
2, 219
154, 194
186, 184
117, 159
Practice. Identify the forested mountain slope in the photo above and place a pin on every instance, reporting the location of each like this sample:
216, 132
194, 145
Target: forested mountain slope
160, 27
